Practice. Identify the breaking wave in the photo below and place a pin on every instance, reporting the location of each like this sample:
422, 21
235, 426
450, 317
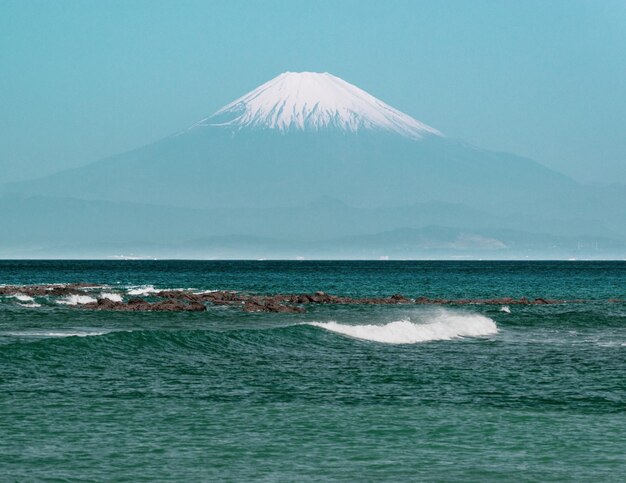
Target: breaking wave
143, 290
77, 300
23, 298
443, 325
57, 333
114, 297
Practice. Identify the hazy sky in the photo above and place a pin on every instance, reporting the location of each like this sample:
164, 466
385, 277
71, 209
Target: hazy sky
81, 80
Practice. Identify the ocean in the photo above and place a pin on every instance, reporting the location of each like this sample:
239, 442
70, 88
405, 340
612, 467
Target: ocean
472, 392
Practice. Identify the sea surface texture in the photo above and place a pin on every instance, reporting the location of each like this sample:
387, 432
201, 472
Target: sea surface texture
339, 393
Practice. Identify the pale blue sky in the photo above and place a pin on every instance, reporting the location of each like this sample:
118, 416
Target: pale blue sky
80, 80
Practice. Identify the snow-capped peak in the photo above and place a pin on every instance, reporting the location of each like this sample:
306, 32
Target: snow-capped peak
314, 101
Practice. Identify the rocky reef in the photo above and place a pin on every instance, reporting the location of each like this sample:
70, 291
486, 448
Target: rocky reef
100, 297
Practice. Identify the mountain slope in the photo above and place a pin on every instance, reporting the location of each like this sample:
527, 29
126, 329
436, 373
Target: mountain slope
215, 167
301, 137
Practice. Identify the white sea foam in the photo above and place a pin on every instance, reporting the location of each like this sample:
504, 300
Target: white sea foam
76, 300
143, 290
68, 333
114, 297
30, 305
441, 325
614, 343
23, 298
150, 289
506, 309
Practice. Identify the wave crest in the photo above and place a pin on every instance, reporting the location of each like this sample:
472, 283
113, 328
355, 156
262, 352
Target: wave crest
142, 290
58, 333
114, 297
444, 325
76, 300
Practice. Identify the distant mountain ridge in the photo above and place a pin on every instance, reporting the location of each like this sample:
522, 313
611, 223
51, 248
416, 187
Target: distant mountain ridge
56, 227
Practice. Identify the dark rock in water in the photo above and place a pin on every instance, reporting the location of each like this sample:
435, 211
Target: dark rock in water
180, 295
303, 299
107, 304
44, 290
261, 304
222, 297
400, 299
140, 305
253, 306
177, 306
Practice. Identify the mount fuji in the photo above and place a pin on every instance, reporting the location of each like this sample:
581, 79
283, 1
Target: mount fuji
299, 137
313, 145
310, 101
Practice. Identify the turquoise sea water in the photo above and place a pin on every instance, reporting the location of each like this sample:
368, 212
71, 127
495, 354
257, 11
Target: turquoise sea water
537, 394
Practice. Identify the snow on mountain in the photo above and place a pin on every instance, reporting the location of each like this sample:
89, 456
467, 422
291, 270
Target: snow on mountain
314, 101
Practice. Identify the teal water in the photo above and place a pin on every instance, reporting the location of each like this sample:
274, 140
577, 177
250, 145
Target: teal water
537, 394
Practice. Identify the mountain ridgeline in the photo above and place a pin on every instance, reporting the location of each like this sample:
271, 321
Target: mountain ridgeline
309, 163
